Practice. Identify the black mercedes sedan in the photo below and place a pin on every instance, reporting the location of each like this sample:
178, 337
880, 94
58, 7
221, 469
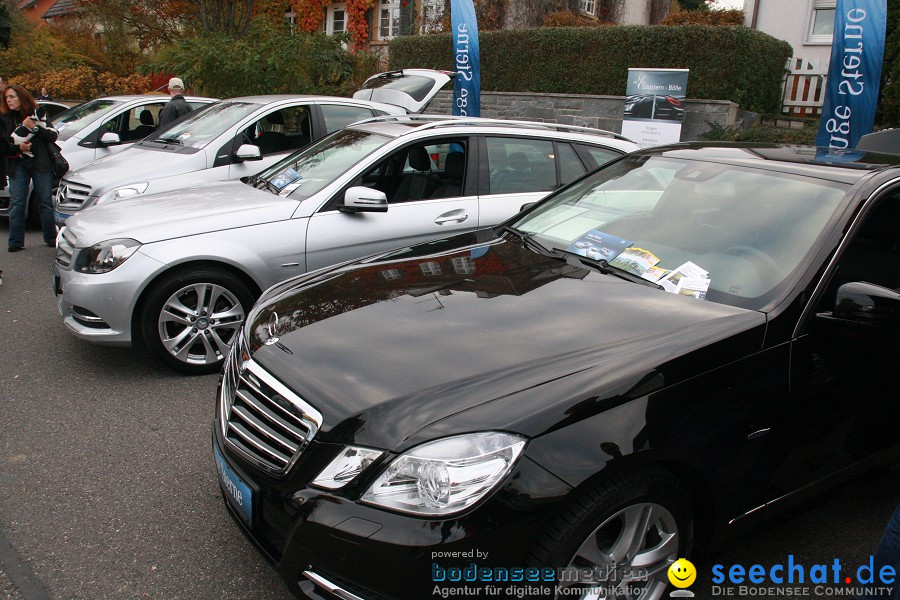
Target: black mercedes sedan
643, 364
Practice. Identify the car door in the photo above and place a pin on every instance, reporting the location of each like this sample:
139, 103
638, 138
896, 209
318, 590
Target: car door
429, 196
131, 124
277, 132
842, 364
522, 170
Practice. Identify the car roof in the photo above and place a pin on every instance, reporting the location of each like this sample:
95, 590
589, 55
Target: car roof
397, 126
844, 166
130, 97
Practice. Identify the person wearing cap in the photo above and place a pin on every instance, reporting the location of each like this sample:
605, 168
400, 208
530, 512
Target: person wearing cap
177, 106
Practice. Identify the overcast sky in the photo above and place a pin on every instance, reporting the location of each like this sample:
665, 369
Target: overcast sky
728, 3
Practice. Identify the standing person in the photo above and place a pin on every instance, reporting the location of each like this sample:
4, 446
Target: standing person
29, 162
4, 148
45, 95
177, 106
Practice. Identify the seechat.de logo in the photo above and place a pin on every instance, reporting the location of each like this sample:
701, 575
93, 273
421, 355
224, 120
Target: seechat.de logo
682, 574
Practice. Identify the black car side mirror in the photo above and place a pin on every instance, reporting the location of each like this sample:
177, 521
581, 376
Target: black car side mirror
868, 304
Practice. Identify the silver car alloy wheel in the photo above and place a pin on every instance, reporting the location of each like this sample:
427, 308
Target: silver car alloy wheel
198, 323
629, 555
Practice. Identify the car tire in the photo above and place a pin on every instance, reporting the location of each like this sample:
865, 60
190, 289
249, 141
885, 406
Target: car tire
189, 320
628, 529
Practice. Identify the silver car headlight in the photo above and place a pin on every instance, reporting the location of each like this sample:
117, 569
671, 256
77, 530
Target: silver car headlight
446, 476
105, 256
348, 464
126, 191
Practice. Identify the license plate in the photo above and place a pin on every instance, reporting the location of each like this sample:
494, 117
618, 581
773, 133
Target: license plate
239, 494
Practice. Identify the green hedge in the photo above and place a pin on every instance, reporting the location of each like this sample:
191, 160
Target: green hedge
726, 63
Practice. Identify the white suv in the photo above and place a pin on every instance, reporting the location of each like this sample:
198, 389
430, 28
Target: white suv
180, 270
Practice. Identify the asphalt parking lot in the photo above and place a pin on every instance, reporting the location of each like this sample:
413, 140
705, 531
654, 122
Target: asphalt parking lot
107, 486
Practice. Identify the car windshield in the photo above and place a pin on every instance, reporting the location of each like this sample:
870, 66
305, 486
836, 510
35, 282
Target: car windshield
199, 129
73, 120
303, 174
718, 232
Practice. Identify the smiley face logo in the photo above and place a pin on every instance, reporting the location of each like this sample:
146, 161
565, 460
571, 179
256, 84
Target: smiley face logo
682, 573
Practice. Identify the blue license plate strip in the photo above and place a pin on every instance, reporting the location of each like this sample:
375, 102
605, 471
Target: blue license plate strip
239, 494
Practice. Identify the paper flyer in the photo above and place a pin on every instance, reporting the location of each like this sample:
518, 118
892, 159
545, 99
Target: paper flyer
688, 280
599, 246
636, 260
694, 287
285, 178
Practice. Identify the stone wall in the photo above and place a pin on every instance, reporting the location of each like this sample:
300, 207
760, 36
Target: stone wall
602, 112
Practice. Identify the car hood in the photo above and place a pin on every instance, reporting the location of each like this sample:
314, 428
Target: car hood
133, 165
388, 346
187, 211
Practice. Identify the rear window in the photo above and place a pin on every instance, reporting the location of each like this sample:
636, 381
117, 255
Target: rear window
415, 86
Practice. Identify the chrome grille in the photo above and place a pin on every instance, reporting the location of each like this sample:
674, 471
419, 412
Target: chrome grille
71, 195
261, 419
65, 249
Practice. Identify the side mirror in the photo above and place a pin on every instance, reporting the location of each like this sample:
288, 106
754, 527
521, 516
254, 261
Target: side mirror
868, 304
248, 152
110, 139
363, 199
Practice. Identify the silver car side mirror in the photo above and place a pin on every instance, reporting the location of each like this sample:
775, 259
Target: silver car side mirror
110, 139
248, 152
363, 199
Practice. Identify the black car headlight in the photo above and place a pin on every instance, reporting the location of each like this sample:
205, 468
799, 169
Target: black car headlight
446, 476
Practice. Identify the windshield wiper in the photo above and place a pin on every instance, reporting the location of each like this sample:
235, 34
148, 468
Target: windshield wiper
167, 140
530, 242
604, 267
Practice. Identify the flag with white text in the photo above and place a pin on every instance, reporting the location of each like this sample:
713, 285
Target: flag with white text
854, 75
467, 83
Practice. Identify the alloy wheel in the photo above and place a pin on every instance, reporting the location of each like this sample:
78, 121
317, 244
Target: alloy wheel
198, 323
629, 555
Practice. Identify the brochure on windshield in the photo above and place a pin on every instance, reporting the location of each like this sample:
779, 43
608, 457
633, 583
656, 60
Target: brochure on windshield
285, 178
687, 280
599, 246
639, 262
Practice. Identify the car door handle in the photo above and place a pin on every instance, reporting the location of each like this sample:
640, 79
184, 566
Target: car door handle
454, 216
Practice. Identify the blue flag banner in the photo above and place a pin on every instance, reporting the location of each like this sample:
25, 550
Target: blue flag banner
854, 75
467, 83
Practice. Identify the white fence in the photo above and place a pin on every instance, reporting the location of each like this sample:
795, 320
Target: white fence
804, 88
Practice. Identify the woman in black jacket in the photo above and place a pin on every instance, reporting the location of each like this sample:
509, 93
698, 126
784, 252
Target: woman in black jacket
26, 140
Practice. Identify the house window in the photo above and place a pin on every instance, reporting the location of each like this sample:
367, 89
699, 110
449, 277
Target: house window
821, 22
430, 269
388, 19
588, 6
335, 21
463, 265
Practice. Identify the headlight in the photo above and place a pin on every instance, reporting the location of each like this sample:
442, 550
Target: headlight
105, 256
133, 189
347, 465
446, 476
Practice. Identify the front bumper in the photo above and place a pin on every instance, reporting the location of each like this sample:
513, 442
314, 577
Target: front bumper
324, 545
98, 308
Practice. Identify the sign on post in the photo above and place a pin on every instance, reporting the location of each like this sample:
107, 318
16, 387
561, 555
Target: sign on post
654, 105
